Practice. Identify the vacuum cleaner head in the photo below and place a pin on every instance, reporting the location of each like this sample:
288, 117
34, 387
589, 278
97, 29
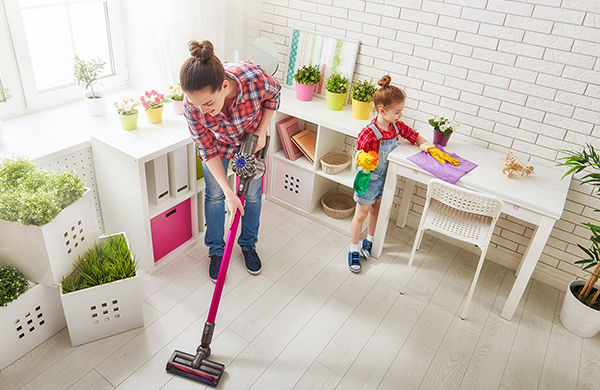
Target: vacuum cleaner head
209, 372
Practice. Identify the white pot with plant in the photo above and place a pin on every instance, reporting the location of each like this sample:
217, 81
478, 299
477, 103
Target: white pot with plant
86, 73
4, 96
29, 314
176, 97
46, 219
580, 313
101, 296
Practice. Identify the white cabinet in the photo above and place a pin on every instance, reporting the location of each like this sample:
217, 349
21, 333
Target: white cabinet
300, 184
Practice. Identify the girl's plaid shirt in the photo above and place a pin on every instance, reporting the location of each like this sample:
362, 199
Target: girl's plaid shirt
368, 142
219, 135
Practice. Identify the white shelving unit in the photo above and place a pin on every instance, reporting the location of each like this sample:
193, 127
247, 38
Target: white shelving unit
331, 129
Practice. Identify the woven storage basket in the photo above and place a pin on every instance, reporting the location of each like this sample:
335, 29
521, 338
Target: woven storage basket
338, 205
335, 162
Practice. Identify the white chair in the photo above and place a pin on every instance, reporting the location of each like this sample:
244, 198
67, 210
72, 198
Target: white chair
458, 213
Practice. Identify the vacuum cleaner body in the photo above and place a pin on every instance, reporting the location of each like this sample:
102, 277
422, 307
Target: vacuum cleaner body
247, 166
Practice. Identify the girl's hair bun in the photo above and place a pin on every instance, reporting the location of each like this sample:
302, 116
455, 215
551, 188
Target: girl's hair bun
385, 81
201, 50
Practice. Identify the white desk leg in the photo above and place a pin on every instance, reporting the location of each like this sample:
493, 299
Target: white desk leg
407, 195
389, 188
530, 259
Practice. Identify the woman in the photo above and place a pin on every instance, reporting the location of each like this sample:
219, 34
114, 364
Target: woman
224, 101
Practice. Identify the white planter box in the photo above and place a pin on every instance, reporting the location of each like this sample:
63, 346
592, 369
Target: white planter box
101, 311
46, 254
578, 318
27, 322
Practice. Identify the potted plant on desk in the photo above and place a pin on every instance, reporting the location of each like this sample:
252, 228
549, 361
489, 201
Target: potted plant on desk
580, 313
442, 129
176, 96
128, 114
86, 73
306, 79
153, 104
336, 88
362, 98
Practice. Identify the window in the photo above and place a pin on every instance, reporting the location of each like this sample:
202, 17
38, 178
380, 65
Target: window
40, 40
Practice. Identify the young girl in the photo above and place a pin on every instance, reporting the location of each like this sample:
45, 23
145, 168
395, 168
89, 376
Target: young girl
381, 136
224, 101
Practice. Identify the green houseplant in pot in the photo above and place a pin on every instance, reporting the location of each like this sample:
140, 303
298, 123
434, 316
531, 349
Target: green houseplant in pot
442, 129
86, 73
101, 296
336, 88
580, 313
176, 97
12, 284
362, 98
306, 77
128, 114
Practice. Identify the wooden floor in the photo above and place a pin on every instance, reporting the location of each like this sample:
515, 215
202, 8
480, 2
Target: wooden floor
307, 322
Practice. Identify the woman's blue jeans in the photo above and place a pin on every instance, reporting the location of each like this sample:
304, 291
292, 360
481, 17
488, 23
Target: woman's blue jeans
214, 212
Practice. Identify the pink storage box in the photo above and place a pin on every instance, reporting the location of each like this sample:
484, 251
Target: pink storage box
171, 229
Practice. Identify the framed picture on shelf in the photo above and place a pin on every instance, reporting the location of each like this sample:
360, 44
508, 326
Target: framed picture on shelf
328, 52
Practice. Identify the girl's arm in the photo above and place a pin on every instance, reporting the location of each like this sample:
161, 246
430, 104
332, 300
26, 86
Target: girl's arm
233, 202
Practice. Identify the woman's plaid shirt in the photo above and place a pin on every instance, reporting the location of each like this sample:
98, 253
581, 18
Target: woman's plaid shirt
220, 135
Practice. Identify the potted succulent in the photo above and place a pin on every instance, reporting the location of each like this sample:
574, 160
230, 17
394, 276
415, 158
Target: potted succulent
153, 104
580, 313
29, 314
336, 88
442, 129
306, 77
101, 296
128, 114
45, 219
86, 73
362, 98
4, 96
176, 97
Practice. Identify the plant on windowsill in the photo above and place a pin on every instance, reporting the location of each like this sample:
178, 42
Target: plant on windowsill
153, 104
176, 97
336, 87
12, 284
86, 73
4, 96
443, 128
306, 77
362, 98
128, 114
581, 308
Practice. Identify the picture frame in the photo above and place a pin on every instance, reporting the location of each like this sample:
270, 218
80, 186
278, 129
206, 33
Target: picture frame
327, 51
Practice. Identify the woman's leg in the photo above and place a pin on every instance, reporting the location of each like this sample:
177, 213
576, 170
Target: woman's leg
251, 219
214, 212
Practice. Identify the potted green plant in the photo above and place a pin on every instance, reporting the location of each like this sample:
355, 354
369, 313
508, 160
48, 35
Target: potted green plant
580, 313
101, 296
128, 114
306, 77
12, 284
176, 97
362, 98
4, 96
336, 88
442, 129
153, 104
86, 73
45, 218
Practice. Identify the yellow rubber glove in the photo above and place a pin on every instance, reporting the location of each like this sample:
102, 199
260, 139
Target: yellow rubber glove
438, 154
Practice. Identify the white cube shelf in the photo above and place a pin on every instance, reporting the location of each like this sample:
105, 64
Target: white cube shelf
292, 184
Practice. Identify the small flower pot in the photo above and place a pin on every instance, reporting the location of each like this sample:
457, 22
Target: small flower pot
305, 92
334, 101
95, 106
440, 138
361, 110
177, 106
154, 115
129, 121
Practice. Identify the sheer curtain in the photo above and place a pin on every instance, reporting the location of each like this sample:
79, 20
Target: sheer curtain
157, 33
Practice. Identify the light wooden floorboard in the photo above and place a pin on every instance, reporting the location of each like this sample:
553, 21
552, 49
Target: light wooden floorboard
307, 322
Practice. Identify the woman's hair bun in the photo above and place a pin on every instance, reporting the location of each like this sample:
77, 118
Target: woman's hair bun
385, 81
201, 50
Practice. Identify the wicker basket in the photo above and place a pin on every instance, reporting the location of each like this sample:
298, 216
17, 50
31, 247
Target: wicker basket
335, 162
338, 205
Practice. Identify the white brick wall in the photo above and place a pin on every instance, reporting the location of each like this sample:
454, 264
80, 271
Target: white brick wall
519, 75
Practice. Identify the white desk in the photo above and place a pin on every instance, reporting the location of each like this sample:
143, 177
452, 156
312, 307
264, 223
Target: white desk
538, 198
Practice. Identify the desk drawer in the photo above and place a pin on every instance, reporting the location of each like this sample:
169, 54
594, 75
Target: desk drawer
414, 174
522, 213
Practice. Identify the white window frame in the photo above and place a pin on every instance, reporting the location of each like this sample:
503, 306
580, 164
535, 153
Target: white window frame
16, 68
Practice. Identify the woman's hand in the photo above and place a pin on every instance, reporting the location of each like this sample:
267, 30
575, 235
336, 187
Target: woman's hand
233, 205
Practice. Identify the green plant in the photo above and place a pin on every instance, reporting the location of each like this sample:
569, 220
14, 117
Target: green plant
4, 95
35, 196
363, 91
175, 92
588, 158
12, 284
86, 72
308, 75
443, 125
336, 83
104, 262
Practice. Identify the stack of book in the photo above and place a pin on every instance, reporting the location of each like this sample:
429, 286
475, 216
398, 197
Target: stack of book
296, 142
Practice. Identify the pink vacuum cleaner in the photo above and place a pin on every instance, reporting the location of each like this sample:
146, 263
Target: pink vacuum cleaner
247, 166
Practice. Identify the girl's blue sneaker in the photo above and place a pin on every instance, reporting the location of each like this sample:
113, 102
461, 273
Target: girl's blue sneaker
354, 261
365, 249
